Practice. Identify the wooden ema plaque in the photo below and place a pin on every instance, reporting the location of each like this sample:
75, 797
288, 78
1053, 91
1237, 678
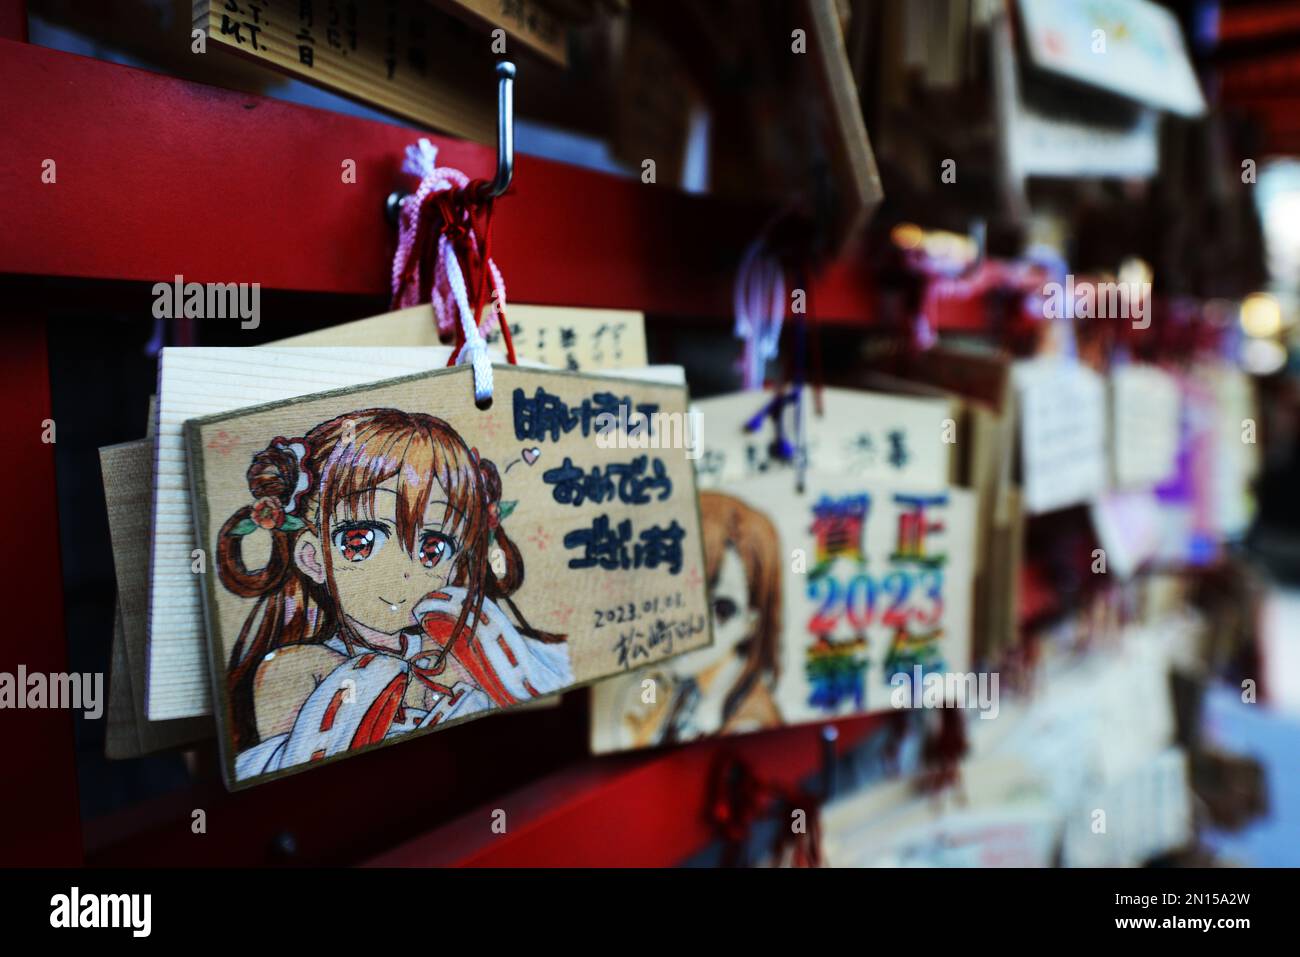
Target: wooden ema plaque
389, 560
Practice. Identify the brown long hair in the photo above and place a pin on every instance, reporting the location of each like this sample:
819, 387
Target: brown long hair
346, 459
727, 522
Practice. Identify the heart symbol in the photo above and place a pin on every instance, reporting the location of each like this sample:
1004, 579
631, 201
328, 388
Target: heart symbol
532, 455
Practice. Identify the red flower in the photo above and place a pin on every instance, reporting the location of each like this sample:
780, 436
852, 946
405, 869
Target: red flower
268, 513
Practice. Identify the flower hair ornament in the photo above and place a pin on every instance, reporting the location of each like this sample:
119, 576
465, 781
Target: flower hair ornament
497, 512
270, 511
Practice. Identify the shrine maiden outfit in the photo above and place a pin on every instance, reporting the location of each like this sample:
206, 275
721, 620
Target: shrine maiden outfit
361, 701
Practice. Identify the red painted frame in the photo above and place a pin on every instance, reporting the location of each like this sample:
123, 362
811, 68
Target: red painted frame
157, 176
40, 805
630, 811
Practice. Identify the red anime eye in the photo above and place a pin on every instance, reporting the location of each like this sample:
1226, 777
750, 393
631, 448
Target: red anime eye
356, 543
434, 547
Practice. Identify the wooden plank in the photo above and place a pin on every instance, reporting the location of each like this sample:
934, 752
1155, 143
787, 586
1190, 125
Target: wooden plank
127, 471
531, 23
121, 739
550, 335
655, 99
177, 683
506, 590
395, 56
877, 436
854, 164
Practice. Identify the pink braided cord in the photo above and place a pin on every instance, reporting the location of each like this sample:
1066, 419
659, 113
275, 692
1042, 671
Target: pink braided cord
421, 161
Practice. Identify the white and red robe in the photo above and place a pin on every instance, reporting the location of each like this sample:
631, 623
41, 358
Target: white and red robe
361, 701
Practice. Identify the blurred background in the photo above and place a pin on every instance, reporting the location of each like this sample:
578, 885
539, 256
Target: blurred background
928, 167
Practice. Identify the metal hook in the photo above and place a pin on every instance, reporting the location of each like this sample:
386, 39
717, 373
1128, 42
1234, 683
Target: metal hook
505, 129
505, 144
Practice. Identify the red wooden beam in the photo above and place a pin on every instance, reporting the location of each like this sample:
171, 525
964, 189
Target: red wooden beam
647, 808
345, 812
158, 176
38, 804
641, 810
40, 807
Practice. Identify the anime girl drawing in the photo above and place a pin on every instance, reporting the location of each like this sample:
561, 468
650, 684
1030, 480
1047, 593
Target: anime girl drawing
380, 610
727, 688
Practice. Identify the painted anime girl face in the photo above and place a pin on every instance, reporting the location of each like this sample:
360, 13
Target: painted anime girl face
377, 581
734, 618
